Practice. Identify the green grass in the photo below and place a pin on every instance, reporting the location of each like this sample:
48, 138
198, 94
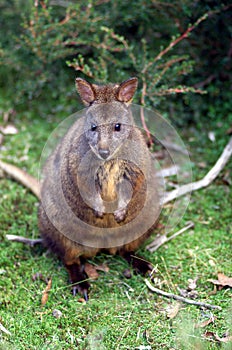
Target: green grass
121, 313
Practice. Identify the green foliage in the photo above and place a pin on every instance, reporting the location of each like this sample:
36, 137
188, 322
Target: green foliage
51, 42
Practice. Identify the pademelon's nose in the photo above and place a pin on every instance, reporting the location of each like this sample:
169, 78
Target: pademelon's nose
104, 152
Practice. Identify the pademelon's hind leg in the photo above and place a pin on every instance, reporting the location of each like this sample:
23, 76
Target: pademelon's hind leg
78, 278
68, 251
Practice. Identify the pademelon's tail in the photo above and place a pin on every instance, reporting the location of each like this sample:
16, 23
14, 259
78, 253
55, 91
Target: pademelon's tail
22, 177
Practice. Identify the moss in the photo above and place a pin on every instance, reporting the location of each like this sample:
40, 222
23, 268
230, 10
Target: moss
121, 313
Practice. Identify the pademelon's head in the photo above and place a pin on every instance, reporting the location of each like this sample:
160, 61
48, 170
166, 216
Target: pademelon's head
108, 117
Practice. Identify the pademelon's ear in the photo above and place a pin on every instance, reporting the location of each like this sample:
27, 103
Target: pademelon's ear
85, 90
127, 90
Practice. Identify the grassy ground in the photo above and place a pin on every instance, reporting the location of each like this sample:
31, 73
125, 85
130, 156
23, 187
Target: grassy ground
121, 313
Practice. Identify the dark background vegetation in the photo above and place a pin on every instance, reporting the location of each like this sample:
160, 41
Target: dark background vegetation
181, 52
46, 44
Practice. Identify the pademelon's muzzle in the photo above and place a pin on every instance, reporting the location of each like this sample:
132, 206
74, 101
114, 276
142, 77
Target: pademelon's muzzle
104, 153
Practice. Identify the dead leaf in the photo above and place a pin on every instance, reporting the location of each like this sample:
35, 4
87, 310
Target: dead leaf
214, 291
172, 310
81, 300
44, 298
205, 323
202, 165
102, 267
223, 281
192, 283
56, 313
91, 271
9, 129
214, 336
209, 334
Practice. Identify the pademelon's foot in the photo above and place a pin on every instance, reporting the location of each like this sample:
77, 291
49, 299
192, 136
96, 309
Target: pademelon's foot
77, 277
81, 288
139, 264
120, 214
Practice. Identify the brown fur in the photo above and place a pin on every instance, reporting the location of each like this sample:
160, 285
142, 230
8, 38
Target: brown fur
105, 93
109, 176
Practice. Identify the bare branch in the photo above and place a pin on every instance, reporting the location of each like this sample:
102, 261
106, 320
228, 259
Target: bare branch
145, 126
180, 90
210, 177
4, 330
162, 239
24, 240
179, 298
166, 172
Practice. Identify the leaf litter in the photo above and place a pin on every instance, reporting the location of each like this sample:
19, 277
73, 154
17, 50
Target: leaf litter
222, 281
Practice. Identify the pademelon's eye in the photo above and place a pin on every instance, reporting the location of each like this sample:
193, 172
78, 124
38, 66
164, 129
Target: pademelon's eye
93, 127
117, 127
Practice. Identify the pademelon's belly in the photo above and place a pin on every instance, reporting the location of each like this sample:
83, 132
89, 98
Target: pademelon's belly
73, 210
69, 251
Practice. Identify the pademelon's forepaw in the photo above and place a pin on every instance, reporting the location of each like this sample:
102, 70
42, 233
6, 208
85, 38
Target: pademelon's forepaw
120, 214
98, 214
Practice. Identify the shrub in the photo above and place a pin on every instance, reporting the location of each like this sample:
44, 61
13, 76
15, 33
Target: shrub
110, 41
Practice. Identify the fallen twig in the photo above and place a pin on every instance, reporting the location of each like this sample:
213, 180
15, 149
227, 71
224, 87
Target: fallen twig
166, 172
212, 174
158, 242
179, 298
4, 330
24, 240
